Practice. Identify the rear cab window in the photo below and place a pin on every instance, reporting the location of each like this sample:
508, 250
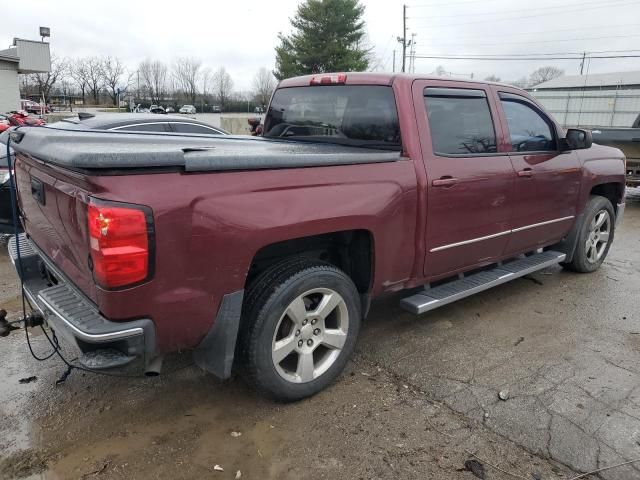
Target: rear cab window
354, 115
460, 121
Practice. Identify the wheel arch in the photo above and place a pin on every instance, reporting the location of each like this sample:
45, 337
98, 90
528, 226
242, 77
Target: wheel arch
352, 251
613, 191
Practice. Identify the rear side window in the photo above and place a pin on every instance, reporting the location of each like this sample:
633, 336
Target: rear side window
529, 130
460, 121
358, 115
194, 128
145, 127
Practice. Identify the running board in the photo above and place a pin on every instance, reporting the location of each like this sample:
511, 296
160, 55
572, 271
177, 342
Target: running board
431, 298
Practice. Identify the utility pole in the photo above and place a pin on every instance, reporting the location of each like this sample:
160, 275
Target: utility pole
404, 36
584, 54
412, 54
394, 61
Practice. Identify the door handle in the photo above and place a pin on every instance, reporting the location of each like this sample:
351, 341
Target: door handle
445, 182
527, 172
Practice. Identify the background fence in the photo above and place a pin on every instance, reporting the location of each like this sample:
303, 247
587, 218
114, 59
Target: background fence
591, 108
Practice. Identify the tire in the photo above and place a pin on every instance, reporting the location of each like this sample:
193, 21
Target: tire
300, 322
592, 247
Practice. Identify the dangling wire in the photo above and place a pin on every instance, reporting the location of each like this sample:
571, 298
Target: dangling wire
52, 341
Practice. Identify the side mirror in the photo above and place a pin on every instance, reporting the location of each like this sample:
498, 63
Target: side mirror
577, 139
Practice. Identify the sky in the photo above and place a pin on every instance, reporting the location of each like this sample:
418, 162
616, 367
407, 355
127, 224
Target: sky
241, 34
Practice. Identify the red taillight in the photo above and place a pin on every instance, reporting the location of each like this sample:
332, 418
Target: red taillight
339, 78
119, 244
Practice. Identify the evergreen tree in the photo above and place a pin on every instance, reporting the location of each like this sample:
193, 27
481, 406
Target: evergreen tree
328, 36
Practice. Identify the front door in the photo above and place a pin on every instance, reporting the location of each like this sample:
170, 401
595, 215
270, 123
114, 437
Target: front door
547, 181
470, 184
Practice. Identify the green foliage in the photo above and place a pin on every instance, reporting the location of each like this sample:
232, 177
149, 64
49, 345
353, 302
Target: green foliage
328, 36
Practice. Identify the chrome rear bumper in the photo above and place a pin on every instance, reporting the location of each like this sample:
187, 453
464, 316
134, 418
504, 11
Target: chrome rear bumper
71, 314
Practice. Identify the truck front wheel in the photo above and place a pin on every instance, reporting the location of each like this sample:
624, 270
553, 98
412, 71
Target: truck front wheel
595, 237
300, 320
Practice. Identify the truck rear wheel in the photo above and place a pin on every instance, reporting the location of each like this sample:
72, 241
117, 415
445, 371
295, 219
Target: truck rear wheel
595, 237
301, 319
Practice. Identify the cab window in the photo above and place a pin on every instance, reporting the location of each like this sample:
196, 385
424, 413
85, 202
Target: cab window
529, 130
460, 121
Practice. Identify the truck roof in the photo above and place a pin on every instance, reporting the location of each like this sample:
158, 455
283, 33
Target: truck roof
374, 78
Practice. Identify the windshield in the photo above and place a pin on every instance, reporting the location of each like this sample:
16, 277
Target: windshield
357, 115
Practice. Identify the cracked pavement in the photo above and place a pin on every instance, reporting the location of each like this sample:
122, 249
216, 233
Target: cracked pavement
565, 346
421, 393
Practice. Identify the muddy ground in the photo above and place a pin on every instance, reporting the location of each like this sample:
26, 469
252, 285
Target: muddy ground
419, 399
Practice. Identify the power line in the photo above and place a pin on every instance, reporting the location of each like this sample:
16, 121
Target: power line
603, 27
542, 41
552, 8
432, 5
525, 16
516, 58
532, 54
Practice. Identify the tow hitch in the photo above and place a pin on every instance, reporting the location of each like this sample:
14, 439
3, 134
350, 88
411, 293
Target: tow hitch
31, 320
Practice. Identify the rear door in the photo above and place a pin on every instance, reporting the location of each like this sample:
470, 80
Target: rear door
470, 184
547, 181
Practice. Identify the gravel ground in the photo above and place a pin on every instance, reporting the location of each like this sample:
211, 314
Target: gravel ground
419, 399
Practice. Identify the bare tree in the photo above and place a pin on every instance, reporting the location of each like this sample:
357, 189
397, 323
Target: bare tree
186, 72
94, 77
46, 81
28, 85
222, 86
78, 74
112, 71
522, 82
154, 75
544, 74
441, 72
206, 79
492, 78
263, 85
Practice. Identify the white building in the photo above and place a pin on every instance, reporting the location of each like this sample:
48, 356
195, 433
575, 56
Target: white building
598, 100
25, 56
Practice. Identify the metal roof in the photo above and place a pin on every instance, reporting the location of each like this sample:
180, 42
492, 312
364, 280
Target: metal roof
8, 56
596, 80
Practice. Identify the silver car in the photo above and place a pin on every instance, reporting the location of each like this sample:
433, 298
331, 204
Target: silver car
190, 109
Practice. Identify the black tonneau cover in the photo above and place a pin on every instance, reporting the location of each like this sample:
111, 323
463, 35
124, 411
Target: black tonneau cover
120, 150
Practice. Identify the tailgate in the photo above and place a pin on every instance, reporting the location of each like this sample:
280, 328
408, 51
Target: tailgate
53, 204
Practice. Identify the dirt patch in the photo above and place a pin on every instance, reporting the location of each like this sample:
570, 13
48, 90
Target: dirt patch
21, 464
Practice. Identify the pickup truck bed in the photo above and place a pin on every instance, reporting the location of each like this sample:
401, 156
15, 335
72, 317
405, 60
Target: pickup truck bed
627, 140
104, 150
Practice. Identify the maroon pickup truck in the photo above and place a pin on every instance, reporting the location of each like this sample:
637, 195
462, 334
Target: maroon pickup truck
263, 254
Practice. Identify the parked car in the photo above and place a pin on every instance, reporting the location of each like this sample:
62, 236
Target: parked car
189, 109
265, 252
627, 140
23, 118
139, 122
108, 121
13, 119
6, 216
157, 109
216, 109
34, 107
5, 123
169, 110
